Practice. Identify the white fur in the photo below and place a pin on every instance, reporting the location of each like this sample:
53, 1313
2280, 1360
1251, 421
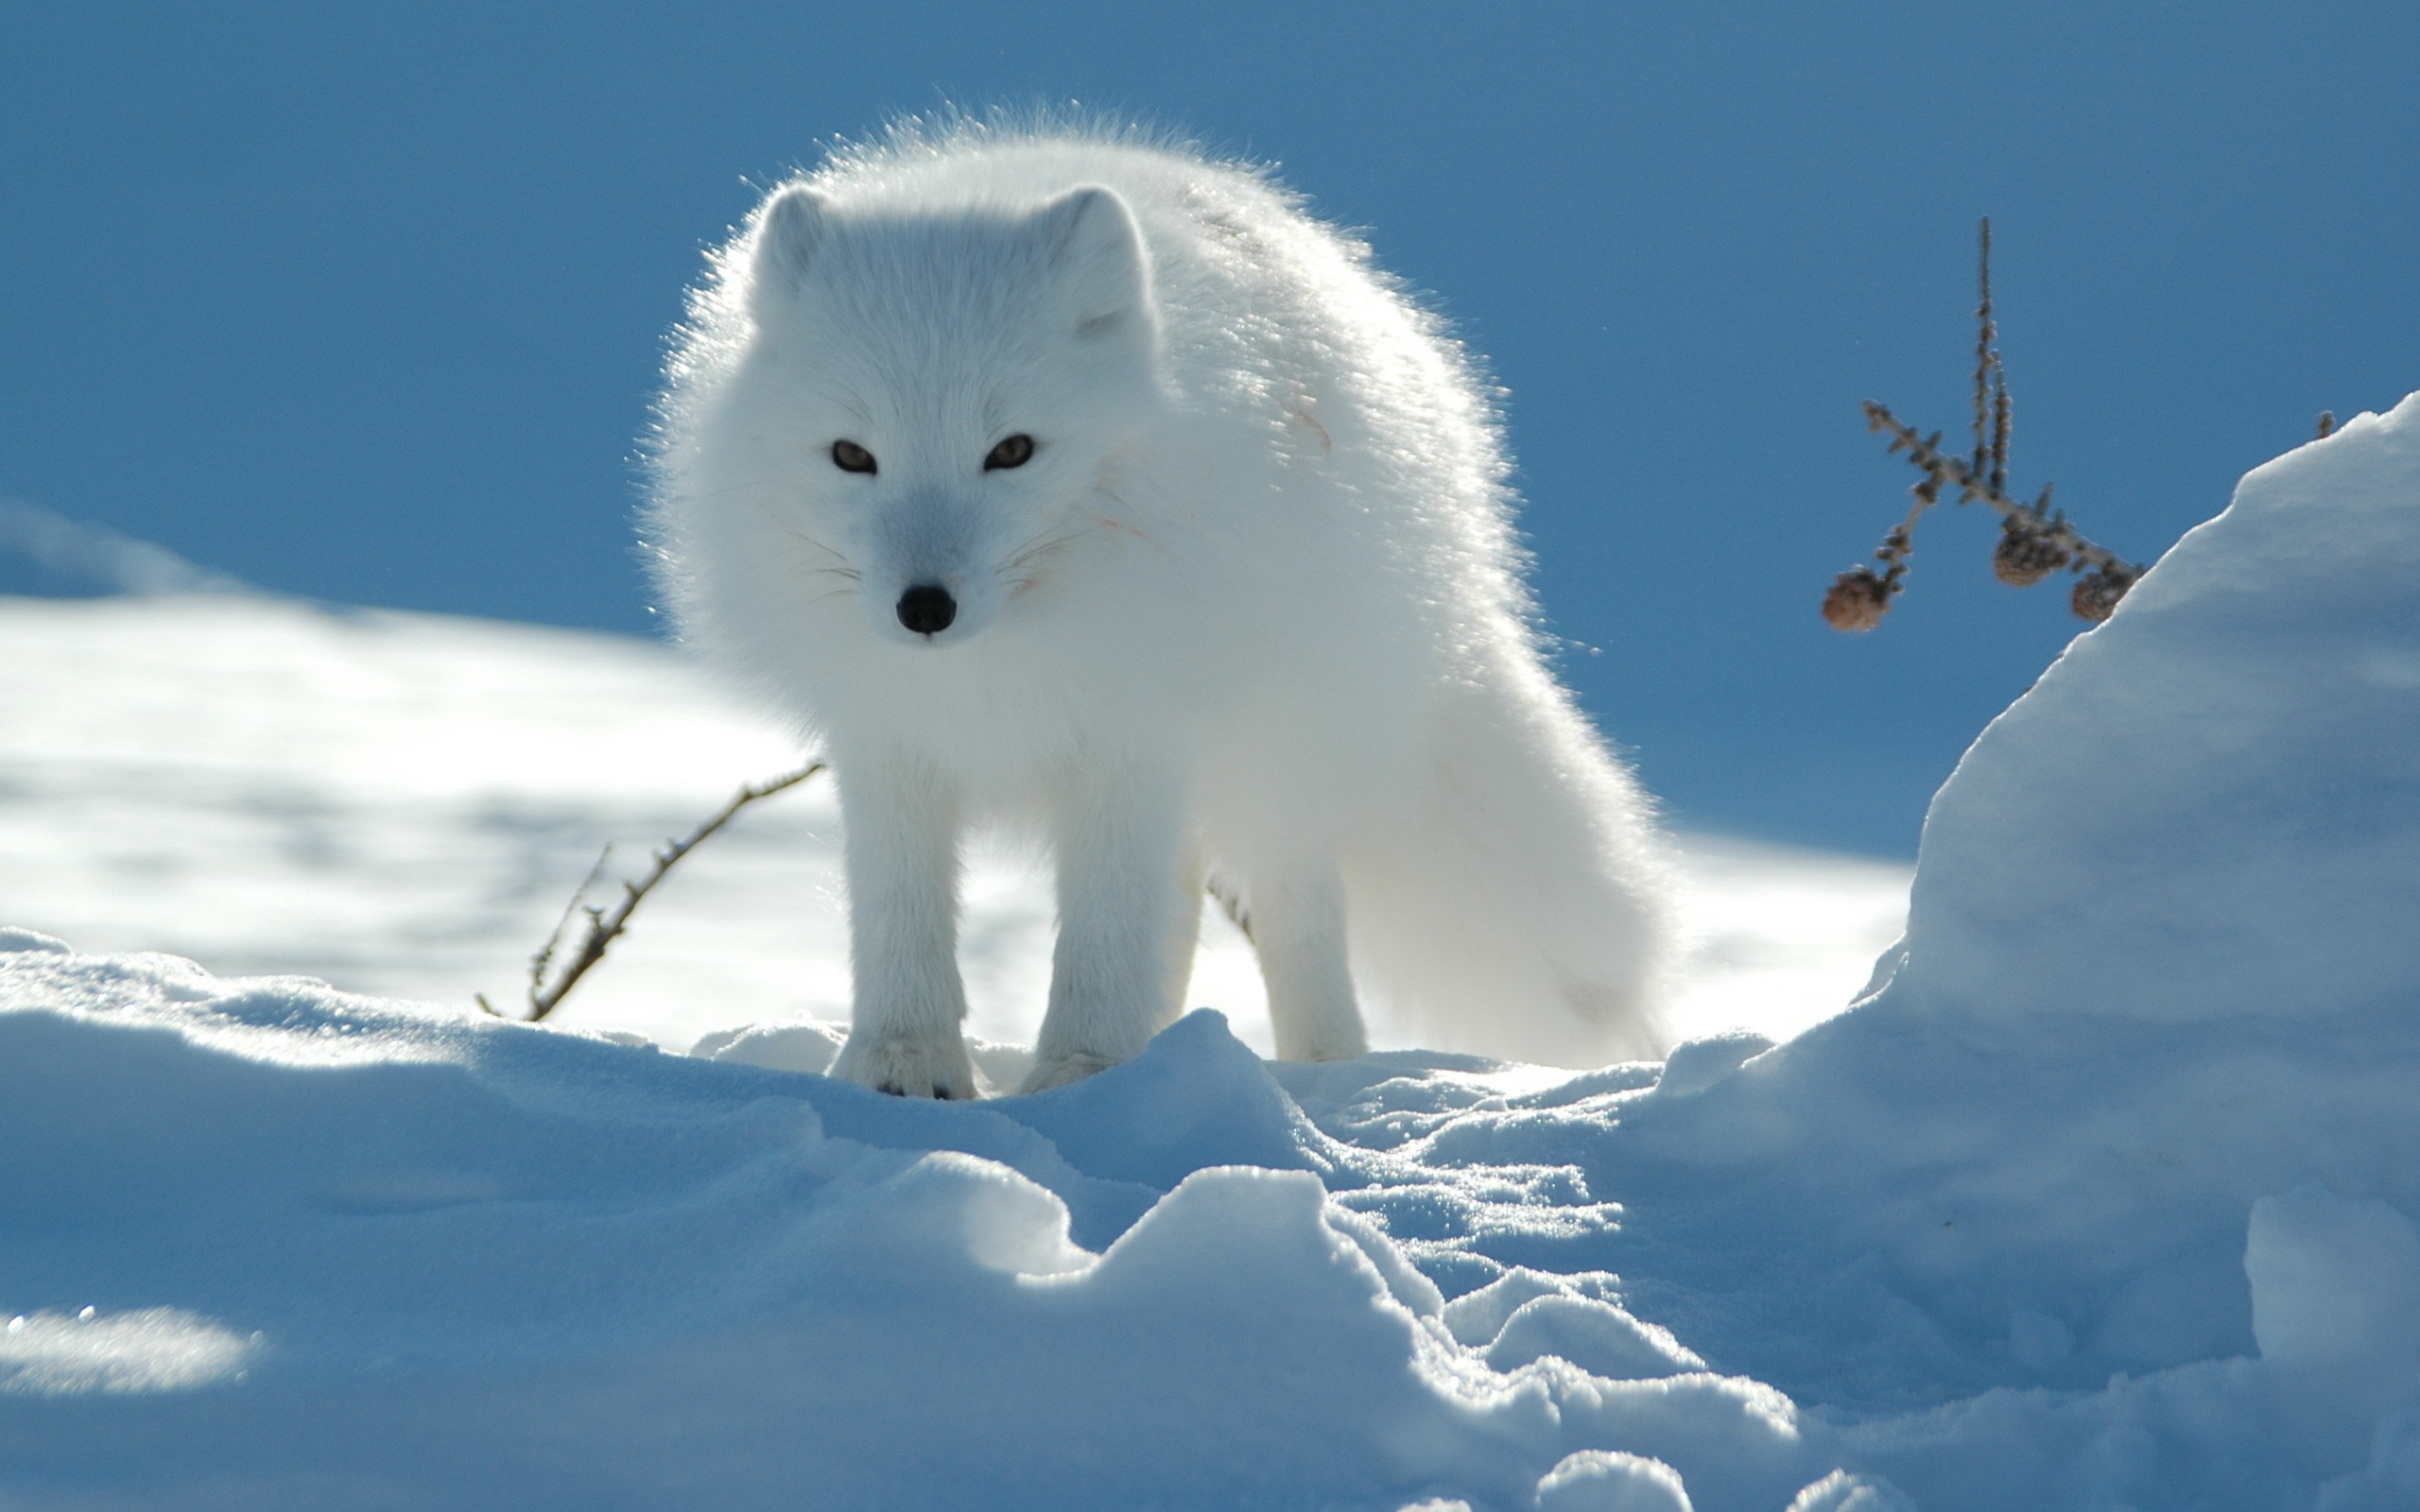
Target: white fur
1251, 614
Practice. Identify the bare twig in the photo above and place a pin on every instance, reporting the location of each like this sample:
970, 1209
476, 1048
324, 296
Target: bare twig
603, 926
2002, 413
2035, 540
1943, 472
1988, 446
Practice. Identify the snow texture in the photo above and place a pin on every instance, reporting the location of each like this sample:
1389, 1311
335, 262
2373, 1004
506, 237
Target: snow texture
2102, 1198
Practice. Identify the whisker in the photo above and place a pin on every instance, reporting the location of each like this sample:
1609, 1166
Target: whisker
804, 539
801, 562
1038, 547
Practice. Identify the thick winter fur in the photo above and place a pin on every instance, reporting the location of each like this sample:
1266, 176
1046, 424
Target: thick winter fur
1250, 617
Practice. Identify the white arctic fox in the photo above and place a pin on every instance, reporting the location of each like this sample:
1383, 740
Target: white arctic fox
1059, 478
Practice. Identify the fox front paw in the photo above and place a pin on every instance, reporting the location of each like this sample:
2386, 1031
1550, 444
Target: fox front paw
907, 1067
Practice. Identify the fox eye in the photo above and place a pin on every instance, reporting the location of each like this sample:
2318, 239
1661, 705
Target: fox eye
1014, 452
851, 458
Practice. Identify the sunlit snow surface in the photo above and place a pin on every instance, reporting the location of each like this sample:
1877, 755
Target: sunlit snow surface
2102, 1199
402, 804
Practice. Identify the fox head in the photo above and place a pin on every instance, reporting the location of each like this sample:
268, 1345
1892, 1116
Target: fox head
940, 393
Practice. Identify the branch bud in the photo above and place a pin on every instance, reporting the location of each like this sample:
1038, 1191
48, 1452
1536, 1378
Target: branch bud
2026, 555
1858, 600
2097, 592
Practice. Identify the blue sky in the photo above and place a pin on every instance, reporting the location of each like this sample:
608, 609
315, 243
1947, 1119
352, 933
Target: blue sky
365, 301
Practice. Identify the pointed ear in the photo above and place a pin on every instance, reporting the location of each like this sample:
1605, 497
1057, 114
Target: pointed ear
1104, 270
790, 229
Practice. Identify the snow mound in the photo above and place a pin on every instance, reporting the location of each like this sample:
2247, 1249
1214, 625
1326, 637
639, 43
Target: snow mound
335, 1251
2212, 810
2112, 1170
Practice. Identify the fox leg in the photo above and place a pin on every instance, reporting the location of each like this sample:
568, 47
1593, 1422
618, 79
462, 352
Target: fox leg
1184, 936
902, 829
1296, 923
1129, 903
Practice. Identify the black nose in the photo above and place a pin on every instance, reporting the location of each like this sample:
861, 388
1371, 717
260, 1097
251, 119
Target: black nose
928, 608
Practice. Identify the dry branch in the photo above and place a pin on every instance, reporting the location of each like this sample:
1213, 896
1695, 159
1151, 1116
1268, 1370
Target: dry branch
603, 926
2035, 540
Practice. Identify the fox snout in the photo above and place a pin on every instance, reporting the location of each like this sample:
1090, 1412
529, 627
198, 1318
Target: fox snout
927, 558
928, 608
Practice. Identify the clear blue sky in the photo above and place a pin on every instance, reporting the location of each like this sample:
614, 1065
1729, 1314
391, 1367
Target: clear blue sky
365, 301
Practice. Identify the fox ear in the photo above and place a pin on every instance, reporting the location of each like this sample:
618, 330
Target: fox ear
1104, 271
790, 229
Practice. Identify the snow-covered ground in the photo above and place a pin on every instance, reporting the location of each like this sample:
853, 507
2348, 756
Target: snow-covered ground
2102, 1198
402, 804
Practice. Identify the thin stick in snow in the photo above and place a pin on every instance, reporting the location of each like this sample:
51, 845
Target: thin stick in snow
603, 927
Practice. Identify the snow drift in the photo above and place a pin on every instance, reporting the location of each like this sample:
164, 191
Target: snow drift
2102, 1196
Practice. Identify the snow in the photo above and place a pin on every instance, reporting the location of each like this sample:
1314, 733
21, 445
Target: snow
2101, 1196
402, 803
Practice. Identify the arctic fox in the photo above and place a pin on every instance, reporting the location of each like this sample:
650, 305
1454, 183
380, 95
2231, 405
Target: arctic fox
1062, 478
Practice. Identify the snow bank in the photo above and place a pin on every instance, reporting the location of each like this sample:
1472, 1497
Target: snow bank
2113, 1171
339, 1252
2104, 1196
2213, 810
